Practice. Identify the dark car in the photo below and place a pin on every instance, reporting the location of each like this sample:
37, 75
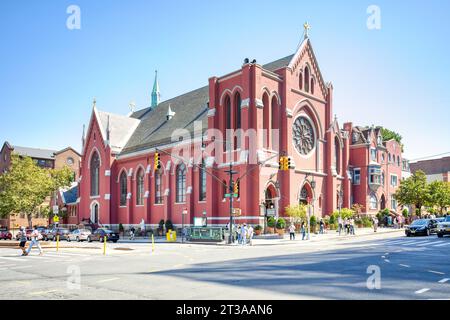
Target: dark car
444, 227
61, 232
423, 227
99, 235
5, 234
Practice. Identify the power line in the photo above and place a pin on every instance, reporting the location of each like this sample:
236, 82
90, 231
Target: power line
436, 155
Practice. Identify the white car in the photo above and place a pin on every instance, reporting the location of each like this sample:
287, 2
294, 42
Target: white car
79, 235
444, 227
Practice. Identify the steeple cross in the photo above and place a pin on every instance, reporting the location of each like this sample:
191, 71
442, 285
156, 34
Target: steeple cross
307, 27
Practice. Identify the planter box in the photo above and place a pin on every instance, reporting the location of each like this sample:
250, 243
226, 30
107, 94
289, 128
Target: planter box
270, 230
258, 232
280, 232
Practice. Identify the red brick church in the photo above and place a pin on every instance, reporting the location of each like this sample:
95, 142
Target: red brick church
246, 119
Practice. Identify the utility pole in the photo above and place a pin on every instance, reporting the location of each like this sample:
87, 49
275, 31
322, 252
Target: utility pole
231, 192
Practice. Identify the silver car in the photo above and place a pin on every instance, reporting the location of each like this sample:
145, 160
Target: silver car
79, 235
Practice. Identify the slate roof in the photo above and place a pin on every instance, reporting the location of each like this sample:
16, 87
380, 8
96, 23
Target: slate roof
433, 166
155, 129
35, 153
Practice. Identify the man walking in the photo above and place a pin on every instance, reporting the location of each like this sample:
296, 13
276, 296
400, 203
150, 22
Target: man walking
35, 237
292, 231
341, 225
375, 224
303, 231
23, 240
321, 226
250, 235
244, 234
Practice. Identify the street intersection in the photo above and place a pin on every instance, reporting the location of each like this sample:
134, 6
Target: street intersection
370, 266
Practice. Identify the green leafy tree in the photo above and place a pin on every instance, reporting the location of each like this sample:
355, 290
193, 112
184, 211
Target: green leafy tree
392, 135
414, 191
297, 213
439, 195
346, 213
26, 186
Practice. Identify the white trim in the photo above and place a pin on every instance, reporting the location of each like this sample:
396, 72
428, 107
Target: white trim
245, 103
107, 196
107, 173
211, 112
235, 218
259, 104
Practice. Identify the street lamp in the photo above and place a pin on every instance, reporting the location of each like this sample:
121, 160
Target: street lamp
184, 213
313, 187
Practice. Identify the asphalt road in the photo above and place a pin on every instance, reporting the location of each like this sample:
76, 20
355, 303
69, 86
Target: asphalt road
405, 268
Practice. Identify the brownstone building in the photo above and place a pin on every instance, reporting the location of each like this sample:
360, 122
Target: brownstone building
435, 169
44, 158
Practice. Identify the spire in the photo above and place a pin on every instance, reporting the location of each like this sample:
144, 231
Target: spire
156, 95
170, 114
94, 103
108, 130
83, 137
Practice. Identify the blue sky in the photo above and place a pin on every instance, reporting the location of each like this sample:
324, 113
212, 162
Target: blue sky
397, 76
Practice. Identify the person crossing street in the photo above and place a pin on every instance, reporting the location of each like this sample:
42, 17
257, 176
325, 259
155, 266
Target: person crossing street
35, 237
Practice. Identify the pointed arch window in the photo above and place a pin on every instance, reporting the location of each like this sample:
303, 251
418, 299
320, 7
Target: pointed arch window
95, 175
181, 184
312, 85
237, 120
337, 162
275, 117
140, 187
300, 81
227, 123
123, 189
158, 187
266, 121
307, 79
202, 181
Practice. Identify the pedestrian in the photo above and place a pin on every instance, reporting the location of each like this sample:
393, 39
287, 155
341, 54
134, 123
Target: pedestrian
35, 237
239, 235
244, 230
23, 240
321, 226
352, 226
292, 231
375, 224
303, 230
132, 230
250, 233
340, 225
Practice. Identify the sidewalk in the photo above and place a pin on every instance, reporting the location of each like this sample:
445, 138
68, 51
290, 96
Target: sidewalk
329, 235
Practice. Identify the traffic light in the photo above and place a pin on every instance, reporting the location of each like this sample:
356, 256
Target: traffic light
236, 188
157, 161
281, 163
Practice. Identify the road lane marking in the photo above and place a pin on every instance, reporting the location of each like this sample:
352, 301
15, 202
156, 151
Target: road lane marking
405, 265
441, 244
383, 257
444, 280
108, 280
422, 291
12, 259
425, 244
38, 293
387, 260
436, 272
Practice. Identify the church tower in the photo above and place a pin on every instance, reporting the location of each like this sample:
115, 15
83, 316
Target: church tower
156, 95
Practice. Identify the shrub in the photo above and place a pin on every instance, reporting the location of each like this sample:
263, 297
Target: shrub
366, 222
405, 213
281, 223
297, 212
271, 222
258, 227
169, 225
313, 221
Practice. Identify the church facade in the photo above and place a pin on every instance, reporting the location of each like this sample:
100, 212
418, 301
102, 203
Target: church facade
243, 122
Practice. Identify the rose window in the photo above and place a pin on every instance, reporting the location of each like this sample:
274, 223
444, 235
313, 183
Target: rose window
303, 132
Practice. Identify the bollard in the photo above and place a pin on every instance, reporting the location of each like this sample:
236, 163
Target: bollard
104, 246
153, 243
57, 243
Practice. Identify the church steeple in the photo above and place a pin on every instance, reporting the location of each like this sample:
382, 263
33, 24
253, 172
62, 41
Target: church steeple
156, 95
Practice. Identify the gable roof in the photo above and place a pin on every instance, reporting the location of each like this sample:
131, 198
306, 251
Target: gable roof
278, 64
68, 149
121, 128
34, 153
155, 129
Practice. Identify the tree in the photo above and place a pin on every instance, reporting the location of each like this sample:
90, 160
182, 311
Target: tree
297, 212
391, 135
25, 186
414, 191
439, 195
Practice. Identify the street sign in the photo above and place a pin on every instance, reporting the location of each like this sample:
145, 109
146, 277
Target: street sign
185, 212
271, 212
229, 195
56, 219
55, 209
237, 212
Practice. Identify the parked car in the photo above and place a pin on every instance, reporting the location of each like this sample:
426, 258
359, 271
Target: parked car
444, 227
79, 235
28, 232
5, 234
61, 232
421, 227
99, 235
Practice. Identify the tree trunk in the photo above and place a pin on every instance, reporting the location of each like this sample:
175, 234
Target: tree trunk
30, 221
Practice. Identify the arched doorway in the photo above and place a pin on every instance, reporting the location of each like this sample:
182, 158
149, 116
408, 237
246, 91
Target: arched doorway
95, 213
306, 194
383, 202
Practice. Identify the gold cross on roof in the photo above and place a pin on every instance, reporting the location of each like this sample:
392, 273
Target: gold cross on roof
307, 27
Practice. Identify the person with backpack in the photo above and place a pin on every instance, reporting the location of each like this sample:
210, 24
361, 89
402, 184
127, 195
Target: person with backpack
35, 237
132, 231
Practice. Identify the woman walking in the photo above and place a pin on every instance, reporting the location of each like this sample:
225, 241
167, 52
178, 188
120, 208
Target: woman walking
23, 240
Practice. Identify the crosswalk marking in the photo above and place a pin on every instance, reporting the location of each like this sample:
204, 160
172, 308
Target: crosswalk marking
422, 291
12, 259
441, 244
444, 280
436, 272
423, 244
